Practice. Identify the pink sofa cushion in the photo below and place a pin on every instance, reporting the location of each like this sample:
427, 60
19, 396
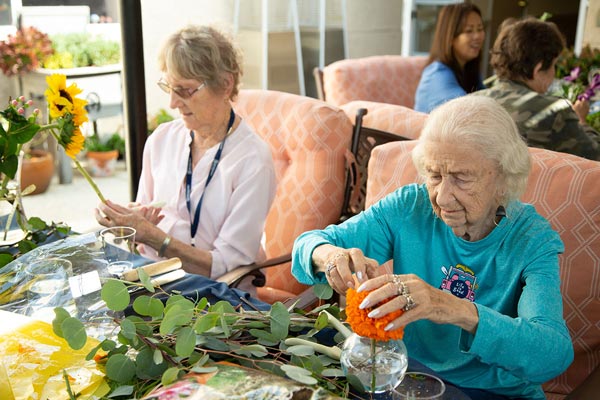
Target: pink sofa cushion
308, 140
391, 118
564, 189
384, 79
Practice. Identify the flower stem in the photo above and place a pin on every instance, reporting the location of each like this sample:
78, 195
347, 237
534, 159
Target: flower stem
338, 325
89, 179
331, 352
85, 174
373, 359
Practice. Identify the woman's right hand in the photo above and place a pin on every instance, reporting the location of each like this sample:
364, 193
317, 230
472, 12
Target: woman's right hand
344, 267
582, 109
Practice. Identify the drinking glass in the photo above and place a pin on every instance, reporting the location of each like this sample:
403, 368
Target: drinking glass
118, 244
48, 286
419, 386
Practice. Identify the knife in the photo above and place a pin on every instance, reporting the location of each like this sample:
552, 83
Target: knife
157, 268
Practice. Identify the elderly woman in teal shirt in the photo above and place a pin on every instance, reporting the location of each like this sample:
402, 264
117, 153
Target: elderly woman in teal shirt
475, 270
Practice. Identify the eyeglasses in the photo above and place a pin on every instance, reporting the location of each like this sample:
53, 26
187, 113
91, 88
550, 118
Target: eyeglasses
181, 92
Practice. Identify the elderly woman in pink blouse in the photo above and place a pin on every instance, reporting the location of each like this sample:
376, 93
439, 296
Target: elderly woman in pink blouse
207, 180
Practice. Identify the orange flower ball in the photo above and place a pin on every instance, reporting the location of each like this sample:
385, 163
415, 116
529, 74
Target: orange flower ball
365, 326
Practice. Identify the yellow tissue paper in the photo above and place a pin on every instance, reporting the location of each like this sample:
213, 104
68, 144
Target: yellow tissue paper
34, 358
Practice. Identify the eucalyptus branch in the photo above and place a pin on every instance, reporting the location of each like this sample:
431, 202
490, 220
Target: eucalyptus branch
155, 347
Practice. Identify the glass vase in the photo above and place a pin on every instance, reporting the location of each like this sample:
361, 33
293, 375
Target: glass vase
379, 365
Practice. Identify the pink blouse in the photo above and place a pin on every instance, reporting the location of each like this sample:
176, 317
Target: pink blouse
236, 201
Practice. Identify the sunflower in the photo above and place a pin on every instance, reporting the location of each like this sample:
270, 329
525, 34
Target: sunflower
368, 327
67, 111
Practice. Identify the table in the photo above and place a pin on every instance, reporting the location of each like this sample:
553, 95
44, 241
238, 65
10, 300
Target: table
85, 253
90, 270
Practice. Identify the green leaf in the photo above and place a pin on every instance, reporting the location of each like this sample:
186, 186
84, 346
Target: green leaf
108, 345
5, 259
37, 223
186, 342
74, 333
299, 374
115, 295
202, 303
89, 356
215, 344
26, 246
9, 166
61, 315
204, 370
147, 364
321, 322
157, 356
253, 350
332, 372
178, 315
301, 350
178, 299
125, 390
223, 307
280, 321
323, 291
145, 280
25, 132
142, 326
266, 336
148, 306
206, 323
120, 368
128, 329
170, 376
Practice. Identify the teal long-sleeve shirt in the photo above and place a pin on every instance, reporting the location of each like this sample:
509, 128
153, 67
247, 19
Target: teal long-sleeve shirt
511, 275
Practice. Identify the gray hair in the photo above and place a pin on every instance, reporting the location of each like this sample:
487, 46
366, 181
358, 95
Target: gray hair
202, 53
483, 124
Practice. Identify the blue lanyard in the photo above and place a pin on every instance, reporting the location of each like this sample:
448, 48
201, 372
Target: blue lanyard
213, 168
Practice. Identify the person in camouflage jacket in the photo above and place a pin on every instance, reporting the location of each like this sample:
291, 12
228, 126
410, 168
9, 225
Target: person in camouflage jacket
524, 58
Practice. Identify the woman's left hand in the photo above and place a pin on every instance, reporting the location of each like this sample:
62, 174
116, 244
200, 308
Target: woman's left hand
112, 214
418, 300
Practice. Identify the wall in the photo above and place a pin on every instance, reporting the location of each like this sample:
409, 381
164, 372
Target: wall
591, 33
374, 27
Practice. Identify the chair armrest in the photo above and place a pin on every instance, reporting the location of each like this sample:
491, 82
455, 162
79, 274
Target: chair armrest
233, 278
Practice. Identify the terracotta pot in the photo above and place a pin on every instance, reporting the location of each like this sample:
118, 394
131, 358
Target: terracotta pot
102, 163
37, 169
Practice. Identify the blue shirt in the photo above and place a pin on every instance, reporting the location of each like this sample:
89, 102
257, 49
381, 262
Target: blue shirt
511, 275
438, 84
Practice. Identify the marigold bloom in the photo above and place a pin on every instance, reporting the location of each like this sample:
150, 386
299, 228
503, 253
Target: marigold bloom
368, 327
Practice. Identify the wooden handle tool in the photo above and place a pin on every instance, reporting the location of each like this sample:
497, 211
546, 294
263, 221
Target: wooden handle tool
157, 268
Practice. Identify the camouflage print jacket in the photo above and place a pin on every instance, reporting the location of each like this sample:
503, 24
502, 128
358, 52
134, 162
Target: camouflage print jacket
545, 121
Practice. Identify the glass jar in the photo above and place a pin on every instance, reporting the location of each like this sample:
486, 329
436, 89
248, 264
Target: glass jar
379, 365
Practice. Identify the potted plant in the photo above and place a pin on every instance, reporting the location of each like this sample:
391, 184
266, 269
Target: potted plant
102, 155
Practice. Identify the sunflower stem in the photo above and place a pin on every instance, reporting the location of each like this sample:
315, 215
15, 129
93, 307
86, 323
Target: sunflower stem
90, 180
79, 167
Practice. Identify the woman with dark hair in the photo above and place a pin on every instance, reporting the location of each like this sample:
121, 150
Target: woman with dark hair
454, 58
524, 58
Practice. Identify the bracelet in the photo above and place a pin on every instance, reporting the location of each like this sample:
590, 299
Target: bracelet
163, 246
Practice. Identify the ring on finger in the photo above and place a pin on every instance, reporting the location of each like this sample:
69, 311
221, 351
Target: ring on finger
410, 303
400, 286
330, 266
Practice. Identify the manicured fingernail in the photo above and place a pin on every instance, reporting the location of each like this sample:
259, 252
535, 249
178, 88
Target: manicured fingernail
373, 313
359, 274
361, 288
350, 284
365, 303
389, 327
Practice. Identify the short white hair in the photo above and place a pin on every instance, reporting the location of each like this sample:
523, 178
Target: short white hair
483, 124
